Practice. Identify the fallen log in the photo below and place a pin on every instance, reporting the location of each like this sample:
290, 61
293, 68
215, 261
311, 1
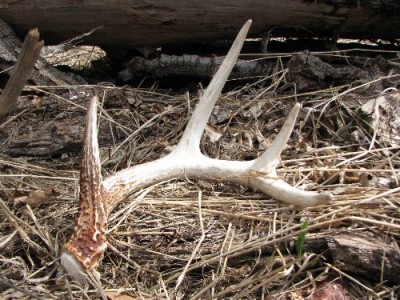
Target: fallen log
136, 24
189, 65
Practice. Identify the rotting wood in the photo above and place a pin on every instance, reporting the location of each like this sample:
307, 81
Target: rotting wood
365, 256
42, 74
137, 24
60, 130
28, 56
303, 67
189, 65
359, 254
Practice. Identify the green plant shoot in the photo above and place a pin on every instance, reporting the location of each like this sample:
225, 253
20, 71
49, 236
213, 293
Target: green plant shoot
301, 239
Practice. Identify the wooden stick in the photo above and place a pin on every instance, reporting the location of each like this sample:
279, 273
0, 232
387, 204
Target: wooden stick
26, 61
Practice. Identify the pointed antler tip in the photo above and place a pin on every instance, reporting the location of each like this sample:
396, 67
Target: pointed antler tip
297, 106
247, 25
294, 112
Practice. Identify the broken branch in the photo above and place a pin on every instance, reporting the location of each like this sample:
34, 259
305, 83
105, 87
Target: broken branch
26, 61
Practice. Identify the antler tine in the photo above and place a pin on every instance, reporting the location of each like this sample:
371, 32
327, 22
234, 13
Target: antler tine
265, 166
270, 158
87, 244
195, 127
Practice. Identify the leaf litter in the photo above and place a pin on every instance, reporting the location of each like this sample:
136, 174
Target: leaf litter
230, 242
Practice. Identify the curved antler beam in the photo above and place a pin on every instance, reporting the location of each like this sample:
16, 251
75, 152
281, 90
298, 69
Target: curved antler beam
187, 162
85, 249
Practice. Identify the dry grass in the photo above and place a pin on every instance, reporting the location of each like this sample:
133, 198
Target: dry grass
200, 240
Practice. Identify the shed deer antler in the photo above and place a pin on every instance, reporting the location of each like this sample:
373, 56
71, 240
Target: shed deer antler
98, 197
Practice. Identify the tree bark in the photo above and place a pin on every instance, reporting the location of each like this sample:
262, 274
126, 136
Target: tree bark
359, 254
151, 23
42, 74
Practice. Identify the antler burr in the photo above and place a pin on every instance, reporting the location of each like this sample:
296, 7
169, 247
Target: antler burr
98, 197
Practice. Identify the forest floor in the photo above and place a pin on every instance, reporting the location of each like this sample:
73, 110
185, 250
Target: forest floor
205, 240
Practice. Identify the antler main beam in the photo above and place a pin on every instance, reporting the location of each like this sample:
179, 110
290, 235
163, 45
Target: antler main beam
85, 249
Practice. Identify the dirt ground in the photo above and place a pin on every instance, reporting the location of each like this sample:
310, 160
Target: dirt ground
206, 240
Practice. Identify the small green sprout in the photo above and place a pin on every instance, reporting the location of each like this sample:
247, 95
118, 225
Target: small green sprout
301, 239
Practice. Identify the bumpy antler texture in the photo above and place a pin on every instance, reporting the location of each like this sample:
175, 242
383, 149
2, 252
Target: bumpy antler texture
97, 198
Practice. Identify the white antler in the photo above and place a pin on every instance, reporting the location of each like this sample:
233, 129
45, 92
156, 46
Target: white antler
86, 247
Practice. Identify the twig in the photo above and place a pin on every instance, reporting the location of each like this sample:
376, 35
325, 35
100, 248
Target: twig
221, 270
21, 290
15, 221
26, 61
351, 278
196, 249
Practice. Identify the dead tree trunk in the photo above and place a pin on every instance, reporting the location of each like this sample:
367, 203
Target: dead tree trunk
152, 23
